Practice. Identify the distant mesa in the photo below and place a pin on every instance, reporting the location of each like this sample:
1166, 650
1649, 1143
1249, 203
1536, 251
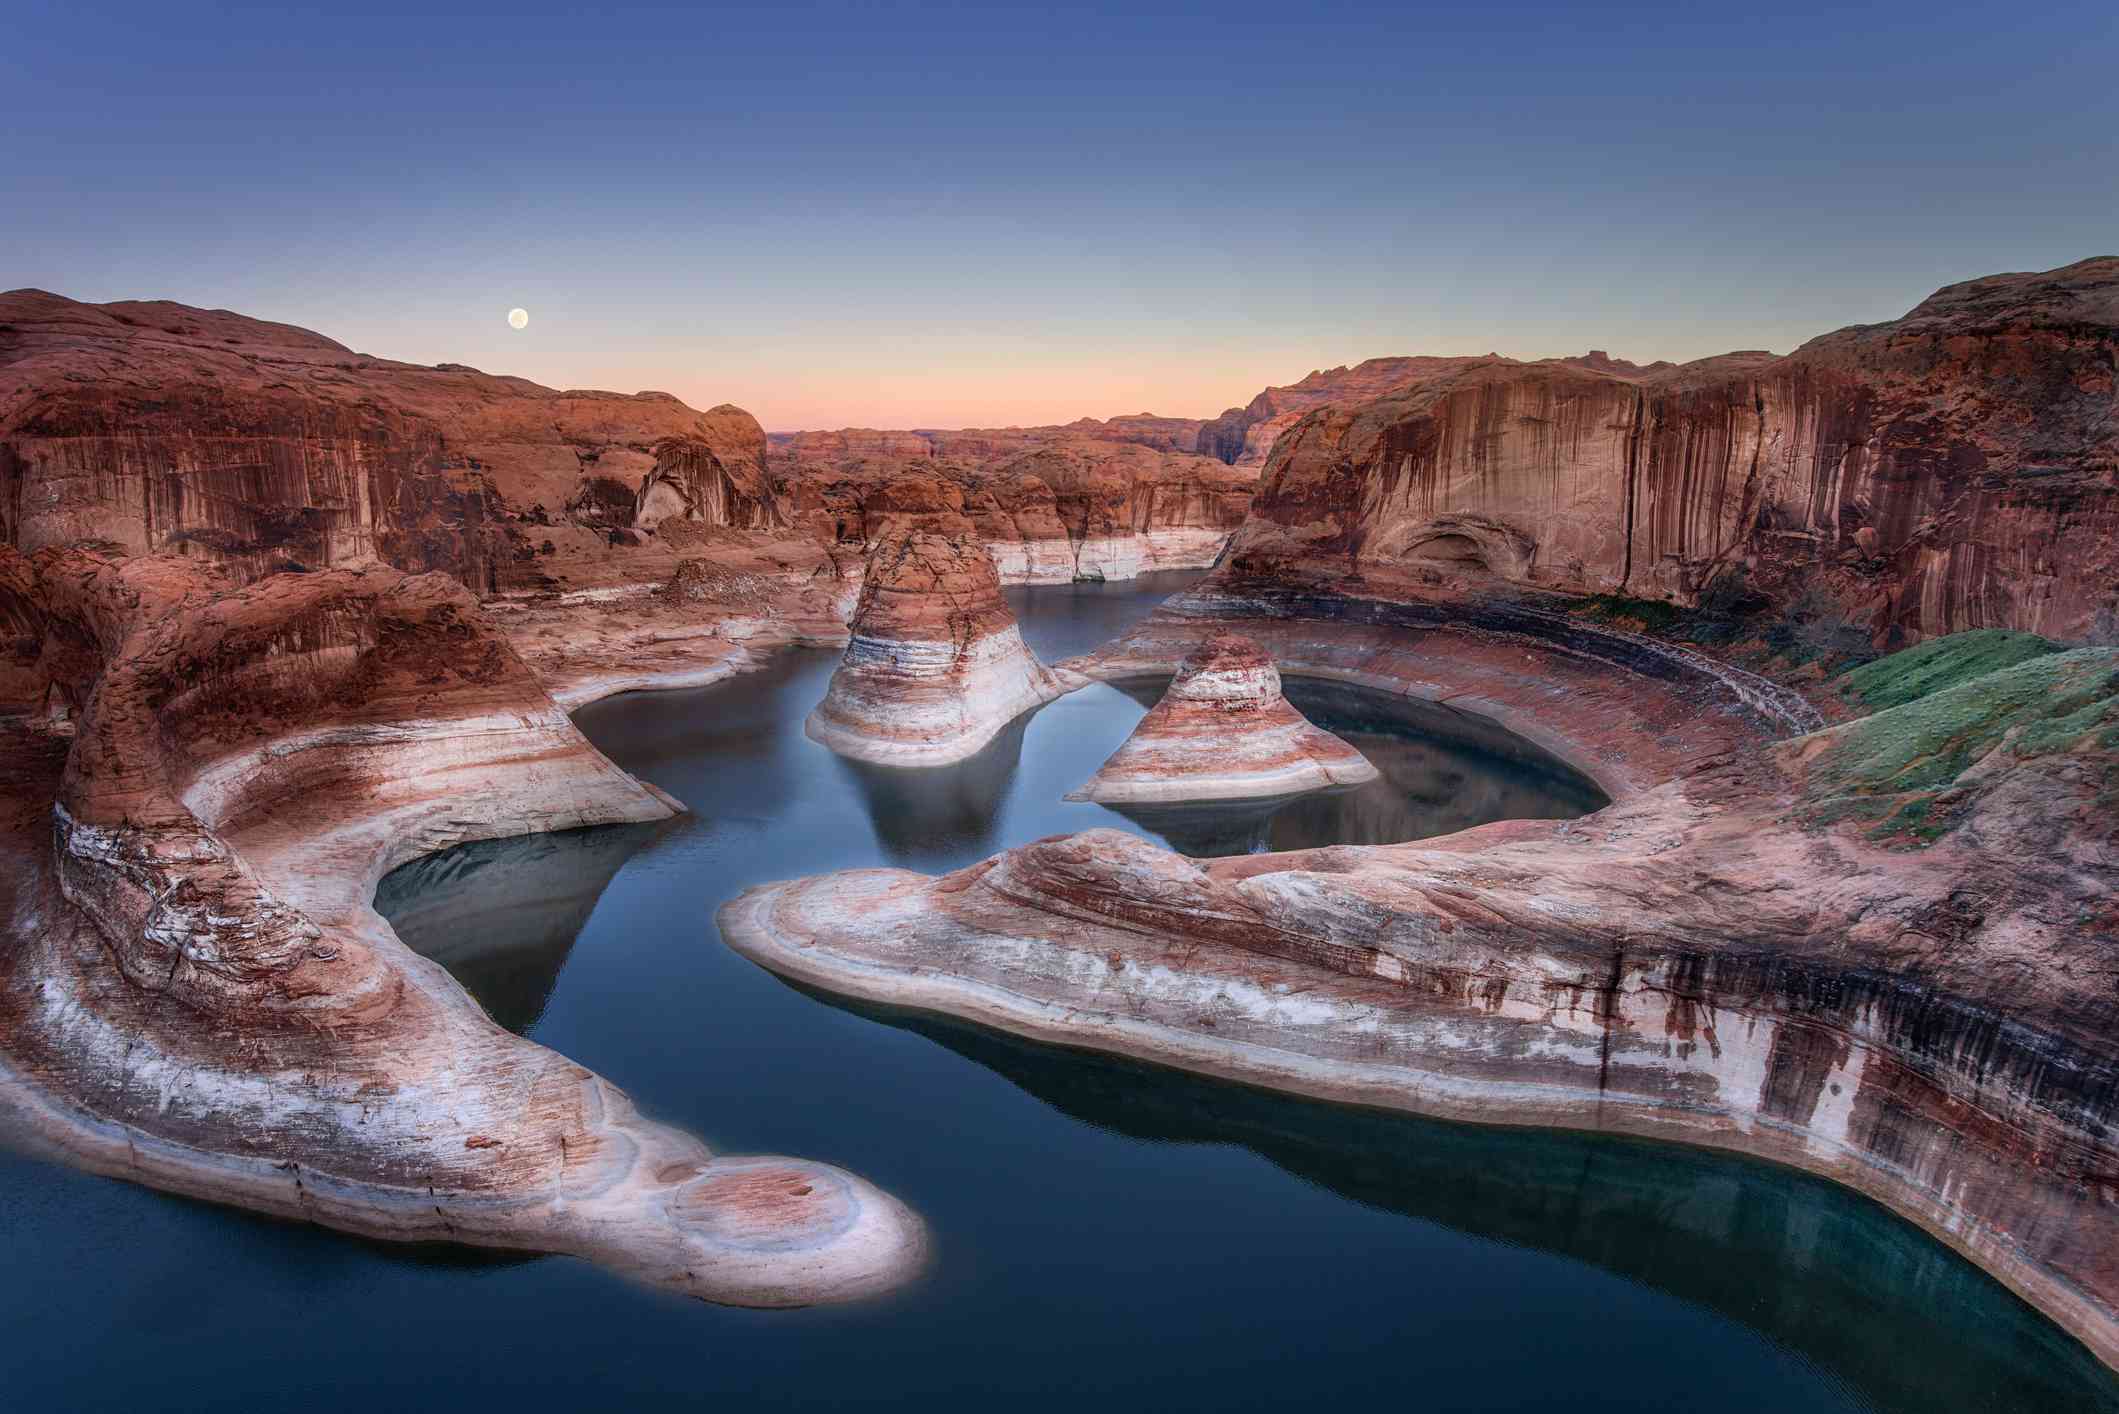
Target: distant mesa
1224, 732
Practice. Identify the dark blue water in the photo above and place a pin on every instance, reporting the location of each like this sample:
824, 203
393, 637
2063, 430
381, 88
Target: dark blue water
1107, 1233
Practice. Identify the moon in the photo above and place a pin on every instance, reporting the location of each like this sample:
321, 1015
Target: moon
519, 318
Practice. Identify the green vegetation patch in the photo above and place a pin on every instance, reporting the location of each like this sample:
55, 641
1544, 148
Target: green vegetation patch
1892, 768
1652, 615
1940, 663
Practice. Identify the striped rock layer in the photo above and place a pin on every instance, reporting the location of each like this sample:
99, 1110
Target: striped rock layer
1224, 732
197, 993
1877, 951
936, 666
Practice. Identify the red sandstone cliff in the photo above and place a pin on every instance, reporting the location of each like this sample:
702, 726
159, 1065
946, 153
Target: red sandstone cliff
1049, 511
1957, 468
936, 665
1168, 434
1952, 469
160, 427
1245, 436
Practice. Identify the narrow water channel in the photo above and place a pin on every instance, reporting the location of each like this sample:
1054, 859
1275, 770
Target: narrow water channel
1106, 1233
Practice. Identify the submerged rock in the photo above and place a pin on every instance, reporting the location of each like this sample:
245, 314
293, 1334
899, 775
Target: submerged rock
1224, 732
936, 667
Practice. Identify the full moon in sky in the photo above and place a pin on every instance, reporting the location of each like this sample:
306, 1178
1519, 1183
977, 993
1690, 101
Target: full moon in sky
519, 318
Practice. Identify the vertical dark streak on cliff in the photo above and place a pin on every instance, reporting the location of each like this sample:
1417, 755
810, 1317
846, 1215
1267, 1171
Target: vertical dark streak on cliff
1608, 1009
11, 478
1633, 466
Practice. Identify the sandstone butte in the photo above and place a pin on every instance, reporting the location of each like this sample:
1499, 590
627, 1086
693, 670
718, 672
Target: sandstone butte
1223, 731
935, 666
1876, 949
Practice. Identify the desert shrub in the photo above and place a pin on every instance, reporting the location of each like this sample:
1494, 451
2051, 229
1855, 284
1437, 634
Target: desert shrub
1814, 627
2049, 703
1730, 595
1652, 615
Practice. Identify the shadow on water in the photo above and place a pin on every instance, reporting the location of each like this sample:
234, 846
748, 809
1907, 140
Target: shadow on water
1212, 829
1818, 1270
502, 915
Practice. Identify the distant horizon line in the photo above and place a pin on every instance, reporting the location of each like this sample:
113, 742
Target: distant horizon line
942, 426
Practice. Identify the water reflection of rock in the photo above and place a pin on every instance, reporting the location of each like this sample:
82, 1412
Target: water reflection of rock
502, 915
936, 812
1801, 1261
720, 724
1210, 829
1442, 771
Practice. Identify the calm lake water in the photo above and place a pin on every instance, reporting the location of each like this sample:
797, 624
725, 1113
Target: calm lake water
1106, 1233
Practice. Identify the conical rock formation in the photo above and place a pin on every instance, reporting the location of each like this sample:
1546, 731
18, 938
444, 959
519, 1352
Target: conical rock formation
1224, 732
936, 666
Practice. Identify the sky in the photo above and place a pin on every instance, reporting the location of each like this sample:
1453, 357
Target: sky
902, 215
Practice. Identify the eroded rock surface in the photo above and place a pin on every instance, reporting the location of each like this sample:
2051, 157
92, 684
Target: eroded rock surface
1223, 731
198, 995
1875, 951
936, 666
163, 428
1950, 470
1072, 507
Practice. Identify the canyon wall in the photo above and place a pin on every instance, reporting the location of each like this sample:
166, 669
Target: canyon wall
1952, 469
1167, 434
261, 447
1877, 951
157, 427
1957, 468
1051, 511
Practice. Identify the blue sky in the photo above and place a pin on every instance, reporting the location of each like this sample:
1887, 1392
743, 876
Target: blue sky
942, 215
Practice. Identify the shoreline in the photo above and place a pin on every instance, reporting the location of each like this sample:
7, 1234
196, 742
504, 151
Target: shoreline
1950, 1113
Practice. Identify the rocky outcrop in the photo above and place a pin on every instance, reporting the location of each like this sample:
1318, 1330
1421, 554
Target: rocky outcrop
690, 609
198, 995
1874, 951
936, 667
162, 428
1954, 469
1072, 508
1128, 510
1224, 732
1245, 436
